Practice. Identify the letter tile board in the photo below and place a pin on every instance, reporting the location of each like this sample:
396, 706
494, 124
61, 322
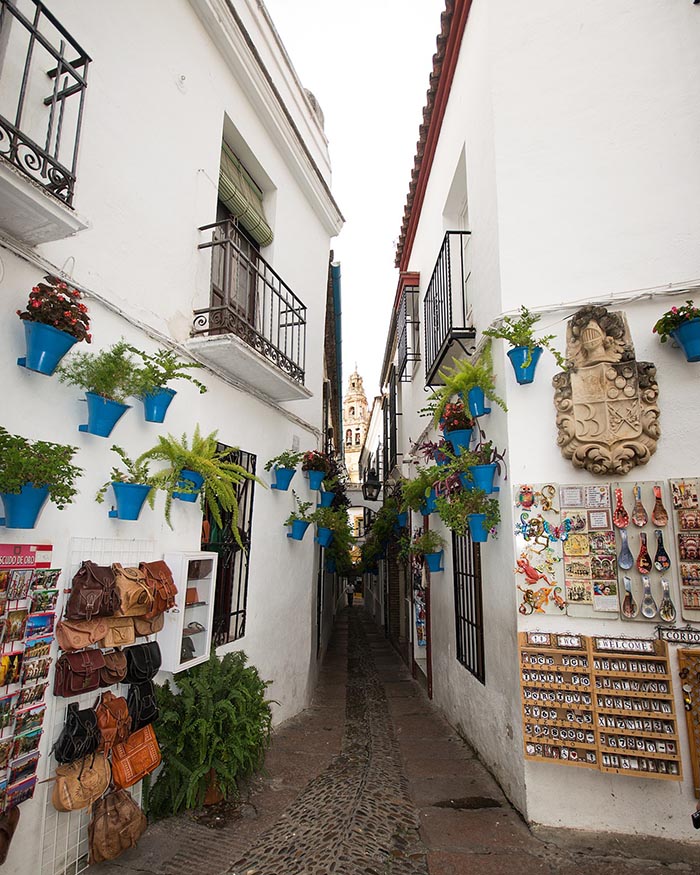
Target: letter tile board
689, 670
686, 513
599, 703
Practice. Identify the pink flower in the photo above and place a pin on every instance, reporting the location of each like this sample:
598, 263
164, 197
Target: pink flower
674, 309
35, 304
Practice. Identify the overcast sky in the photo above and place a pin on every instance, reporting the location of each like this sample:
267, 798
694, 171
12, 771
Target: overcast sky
368, 63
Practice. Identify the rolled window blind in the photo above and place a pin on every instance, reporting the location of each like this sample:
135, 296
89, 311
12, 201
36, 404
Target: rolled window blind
242, 197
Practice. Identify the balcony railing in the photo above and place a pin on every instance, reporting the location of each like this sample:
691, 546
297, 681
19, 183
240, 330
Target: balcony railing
446, 307
249, 299
40, 132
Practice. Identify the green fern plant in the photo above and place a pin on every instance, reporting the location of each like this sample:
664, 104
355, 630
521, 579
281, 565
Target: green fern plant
459, 379
130, 472
216, 725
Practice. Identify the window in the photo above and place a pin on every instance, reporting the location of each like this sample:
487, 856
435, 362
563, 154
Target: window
233, 268
469, 619
357, 438
352, 411
348, 437
408, 328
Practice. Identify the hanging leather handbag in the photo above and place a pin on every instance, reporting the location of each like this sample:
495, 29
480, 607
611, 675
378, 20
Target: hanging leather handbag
135, 594
77, 634
78, 673
144, 627
120, 632
79, 737
137, 757
142, 662
143, 705
159, 579
93, 593
117, 824
114, 670
113, 720
80, 783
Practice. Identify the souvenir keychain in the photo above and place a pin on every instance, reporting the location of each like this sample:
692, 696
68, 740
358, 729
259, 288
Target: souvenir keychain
649, 609
643, 559
662, 561
625, 560
639, 515
659, 516
621, 518
629, 606
667, 610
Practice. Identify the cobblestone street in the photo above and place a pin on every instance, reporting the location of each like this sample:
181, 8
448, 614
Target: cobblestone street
372, 781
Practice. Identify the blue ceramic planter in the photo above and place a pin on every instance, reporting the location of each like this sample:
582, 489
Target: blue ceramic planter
440, 458
330, 566
129, 498
477, 527
316, 478
326, 499
429, 505
460, 439
155, 404
687, 336
466, 481
518, 356
483, 477
299, 528
283, 477
189, 480
324, 536
46, 346
434, 562
23, 508
103, 415
476, 402
402, 519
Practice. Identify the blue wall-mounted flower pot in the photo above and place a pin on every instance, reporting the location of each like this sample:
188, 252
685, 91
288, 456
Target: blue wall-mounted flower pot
299, 528
402, 519
477, 527
155, 404
429, 505
476, 401
326, 499
192, 481
330, 566
434, 562
46, 346
324, 536
460, 439
483, 477
129, 498
22, 509
518, 356
440, 457
466, 481
316, 478
687, 336
283, 477
103, 415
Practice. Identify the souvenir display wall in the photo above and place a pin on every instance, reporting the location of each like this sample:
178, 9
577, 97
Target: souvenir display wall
689, 671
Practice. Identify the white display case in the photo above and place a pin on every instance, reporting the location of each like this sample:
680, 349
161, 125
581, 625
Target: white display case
193, 622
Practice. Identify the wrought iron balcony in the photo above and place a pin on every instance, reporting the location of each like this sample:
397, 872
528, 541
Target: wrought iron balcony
250, 301
40, 132
446, 312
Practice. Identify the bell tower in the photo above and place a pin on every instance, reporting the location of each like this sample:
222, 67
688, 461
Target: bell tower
355, 421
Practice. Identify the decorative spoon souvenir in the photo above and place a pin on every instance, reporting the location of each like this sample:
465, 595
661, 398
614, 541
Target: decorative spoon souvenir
629, 606
625, 560
639, 515
621, 518
662, 561
643, 559
659, 516
667, 610
649, 608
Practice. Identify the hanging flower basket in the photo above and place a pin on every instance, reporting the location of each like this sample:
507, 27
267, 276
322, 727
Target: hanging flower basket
434, 562
483, 477
299, 528
518, 356
477, 527
130, 498
155, 404
476, 401
283, 477
460, 439
22, 509
324, 536
316, 478
103, 414
46, 346
192, 482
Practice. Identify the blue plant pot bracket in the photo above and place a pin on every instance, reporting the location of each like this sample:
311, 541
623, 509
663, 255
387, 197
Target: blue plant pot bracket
476, 402
46, 346
130, 498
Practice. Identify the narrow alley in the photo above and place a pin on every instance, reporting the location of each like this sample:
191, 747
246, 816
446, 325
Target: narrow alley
372, 780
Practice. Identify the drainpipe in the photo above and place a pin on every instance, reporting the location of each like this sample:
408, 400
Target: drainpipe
335, 278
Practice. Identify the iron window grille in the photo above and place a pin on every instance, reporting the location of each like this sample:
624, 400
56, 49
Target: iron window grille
251, 300
469, 615
231, 595
385, 467
391, 424
408, 333
40, 132
446, 310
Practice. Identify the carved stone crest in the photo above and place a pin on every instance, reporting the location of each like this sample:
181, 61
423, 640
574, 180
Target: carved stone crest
607, 411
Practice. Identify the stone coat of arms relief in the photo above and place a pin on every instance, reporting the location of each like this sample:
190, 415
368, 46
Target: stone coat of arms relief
606, 403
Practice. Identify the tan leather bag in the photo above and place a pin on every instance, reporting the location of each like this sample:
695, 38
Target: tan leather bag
113, 721
159, 579
80, 783
120, 632
117, 824
136, 596
136, 758
77, 634
114, 670
144, 627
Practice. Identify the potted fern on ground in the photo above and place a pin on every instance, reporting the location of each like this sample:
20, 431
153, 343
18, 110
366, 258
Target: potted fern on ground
131, 484
284, 468
526, 348
430, 546
153, 376
299, 519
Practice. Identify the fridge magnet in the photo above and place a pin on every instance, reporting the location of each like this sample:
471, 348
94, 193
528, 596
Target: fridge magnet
684, 494
689, 520
599, 520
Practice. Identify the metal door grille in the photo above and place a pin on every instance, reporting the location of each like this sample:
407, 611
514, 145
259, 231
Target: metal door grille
469, 617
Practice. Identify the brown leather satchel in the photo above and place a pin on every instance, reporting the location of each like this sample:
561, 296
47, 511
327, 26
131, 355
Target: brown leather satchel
93, 593
115, 668
78, 673
144, 627
77, 634
117, 824
120, 632
137, 757
135, 594
191, 596
113, 721
80, 783
159, 579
